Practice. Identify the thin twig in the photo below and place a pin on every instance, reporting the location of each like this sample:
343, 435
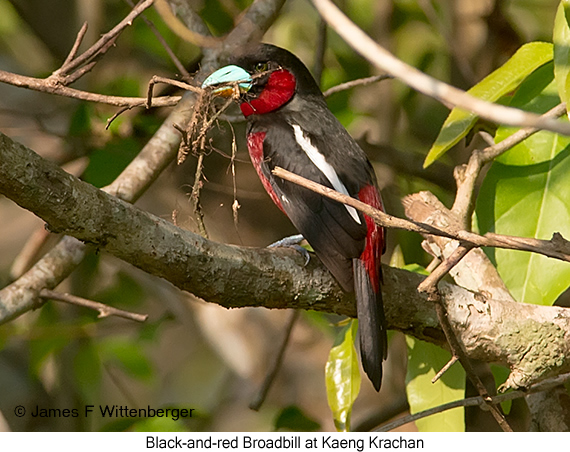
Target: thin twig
445, 368
195, 196
115, 116
433, 264
73, 52
429, 285
466, 176
102, 44
47, 86
197, 114
103, 309
207, 123
194, 136
177, 83
358, 82
80, 73
276, 365
457, 350
235, 205
75, 67
476, 401
557, 247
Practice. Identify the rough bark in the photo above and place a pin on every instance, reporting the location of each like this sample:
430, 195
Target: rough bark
532, 340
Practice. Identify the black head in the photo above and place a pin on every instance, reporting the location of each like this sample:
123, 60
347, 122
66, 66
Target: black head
269, 78
264, 58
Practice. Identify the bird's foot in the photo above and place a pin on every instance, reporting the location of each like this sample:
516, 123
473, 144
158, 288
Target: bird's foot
293, 241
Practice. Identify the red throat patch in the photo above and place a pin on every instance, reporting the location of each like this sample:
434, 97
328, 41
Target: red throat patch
278, 90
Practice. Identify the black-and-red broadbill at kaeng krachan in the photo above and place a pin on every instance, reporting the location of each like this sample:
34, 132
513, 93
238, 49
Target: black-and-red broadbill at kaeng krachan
290, 126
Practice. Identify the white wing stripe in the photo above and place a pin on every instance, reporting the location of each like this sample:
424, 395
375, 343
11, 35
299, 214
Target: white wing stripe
321, 163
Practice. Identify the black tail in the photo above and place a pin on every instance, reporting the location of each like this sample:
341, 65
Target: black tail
371, 324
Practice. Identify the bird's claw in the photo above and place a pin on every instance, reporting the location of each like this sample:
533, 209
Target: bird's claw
293, 242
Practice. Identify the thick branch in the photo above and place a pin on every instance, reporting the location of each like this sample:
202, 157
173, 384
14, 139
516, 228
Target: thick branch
59, 262
532, 340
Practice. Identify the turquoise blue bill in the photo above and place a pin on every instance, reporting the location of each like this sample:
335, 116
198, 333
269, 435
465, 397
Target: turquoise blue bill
229, 74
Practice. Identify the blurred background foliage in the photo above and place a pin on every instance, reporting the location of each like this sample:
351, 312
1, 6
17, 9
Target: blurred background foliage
191, 354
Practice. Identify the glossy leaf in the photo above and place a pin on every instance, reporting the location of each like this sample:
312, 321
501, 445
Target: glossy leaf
561, 39
397, 258
424, 361
343, 377
525, 193
497, 84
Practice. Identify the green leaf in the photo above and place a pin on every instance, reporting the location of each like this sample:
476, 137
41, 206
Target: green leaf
292, 418
128, 355
424, 361
416, 268
397, 259
525, 193
343, 377
497, 84
561, 39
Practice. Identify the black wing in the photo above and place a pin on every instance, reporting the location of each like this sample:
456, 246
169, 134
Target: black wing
326, 224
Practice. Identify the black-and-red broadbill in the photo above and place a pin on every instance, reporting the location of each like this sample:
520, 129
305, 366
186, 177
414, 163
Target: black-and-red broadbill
290, 125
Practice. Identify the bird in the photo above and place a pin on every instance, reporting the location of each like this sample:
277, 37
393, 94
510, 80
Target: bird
290, 125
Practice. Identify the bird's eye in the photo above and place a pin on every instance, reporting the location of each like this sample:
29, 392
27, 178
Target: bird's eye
261, 67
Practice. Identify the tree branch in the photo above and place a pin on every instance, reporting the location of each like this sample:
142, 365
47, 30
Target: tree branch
74, 67
48, 86
534, 341
557, 247
103, 309
466, 175
425, 84
156, 155
478, 401
103, 44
